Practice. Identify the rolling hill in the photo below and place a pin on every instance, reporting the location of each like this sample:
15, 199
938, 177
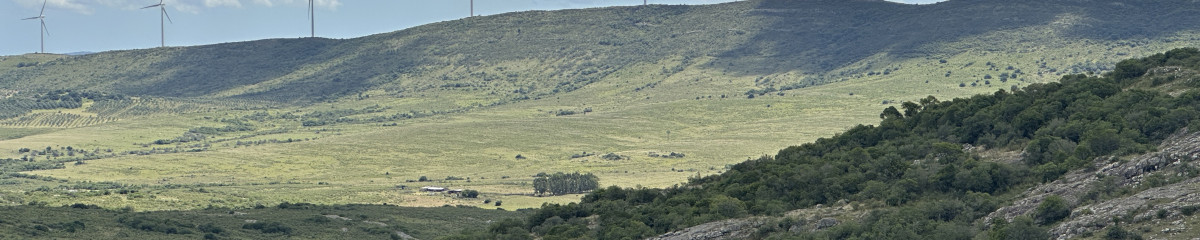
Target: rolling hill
1111, 155
820, 41
359, 121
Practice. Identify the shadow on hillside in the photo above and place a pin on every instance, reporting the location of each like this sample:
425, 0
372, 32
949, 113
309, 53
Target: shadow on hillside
822, 35
321, 69
206, 70
814, 36
368, 66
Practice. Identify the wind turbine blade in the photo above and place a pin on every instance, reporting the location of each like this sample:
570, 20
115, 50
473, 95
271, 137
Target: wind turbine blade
30, 18
155, 5
43, 7
44, 28
164, 11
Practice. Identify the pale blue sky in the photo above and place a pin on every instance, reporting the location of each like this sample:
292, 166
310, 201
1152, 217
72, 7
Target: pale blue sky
102, 25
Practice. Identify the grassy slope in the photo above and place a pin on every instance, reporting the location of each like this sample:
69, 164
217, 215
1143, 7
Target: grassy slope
309, 222
363, 163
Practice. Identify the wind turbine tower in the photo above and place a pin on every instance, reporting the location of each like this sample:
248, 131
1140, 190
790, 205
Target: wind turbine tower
312, 17
44, 31
472, 8
162, 7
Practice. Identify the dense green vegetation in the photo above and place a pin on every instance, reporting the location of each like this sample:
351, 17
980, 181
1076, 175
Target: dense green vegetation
914, 162
14, 107
286, 221
562, 183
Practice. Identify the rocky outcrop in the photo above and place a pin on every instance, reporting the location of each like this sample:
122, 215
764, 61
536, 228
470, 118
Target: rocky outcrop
816, 218
1175, 154
1141, 206
740, 228
1171, 169
826, 223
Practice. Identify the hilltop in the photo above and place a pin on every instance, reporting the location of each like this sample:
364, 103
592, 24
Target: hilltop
646, 96
543, 52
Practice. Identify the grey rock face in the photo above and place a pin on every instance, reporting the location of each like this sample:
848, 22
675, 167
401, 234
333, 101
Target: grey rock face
1179, 151
826, 223
740, 228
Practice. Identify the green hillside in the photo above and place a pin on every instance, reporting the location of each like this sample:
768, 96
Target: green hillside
922, 170
823, 41
285, 221
608, 91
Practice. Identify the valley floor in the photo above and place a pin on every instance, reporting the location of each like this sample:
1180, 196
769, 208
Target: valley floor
456, 139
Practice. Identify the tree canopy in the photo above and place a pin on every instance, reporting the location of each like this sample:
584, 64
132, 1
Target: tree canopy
915, 162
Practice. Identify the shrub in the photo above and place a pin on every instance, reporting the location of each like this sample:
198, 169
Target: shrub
272, 227
1118, 233
1052, 209
318, 219
1189, 210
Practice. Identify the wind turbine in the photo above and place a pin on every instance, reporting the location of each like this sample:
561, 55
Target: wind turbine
162, 8
472, 8
44, 31
312, 17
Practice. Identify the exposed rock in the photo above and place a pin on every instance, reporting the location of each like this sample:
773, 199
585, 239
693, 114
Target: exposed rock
797, 228
826, 223
338, 217
405, 236
741, 228
1176, 156
1177, 151
1171, 198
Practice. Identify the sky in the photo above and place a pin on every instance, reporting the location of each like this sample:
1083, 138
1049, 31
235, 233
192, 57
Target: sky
103, 25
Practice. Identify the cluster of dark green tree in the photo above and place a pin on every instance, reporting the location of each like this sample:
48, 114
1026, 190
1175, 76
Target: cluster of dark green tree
77, 96
235, 125
913, 163
562, 183
315, 118
17, 106
286, 221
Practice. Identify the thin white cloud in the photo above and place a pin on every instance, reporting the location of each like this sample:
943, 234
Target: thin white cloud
267, 3
116, 3
182, 6
220, 3
138, 4
329, 4
189, 6
71, 5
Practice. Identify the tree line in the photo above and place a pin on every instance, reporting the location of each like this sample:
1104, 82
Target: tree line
561, 183
17, 106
